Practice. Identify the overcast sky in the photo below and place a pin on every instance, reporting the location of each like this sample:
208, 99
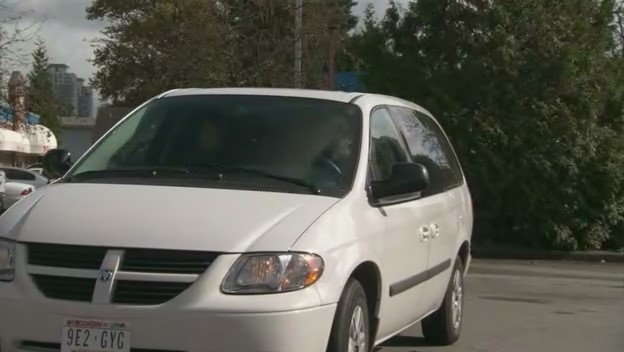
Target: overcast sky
68, 34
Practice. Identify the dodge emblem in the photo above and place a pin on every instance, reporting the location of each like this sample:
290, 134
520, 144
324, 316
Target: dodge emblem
106, 275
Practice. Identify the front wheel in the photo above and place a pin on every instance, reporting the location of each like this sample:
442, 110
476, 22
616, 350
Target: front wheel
351, 328
444, 326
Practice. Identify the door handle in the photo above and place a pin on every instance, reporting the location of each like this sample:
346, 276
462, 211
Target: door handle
425, 233
435, 230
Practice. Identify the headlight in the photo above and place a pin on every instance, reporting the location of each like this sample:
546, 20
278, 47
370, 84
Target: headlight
272, 273
7, 262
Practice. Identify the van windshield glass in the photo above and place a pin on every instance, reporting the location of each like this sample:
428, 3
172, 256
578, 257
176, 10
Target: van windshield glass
313, 142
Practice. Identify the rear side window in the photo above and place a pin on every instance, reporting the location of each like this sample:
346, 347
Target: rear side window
429, 146
13, 174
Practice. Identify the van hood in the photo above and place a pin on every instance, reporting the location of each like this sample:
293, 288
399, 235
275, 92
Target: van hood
131, 216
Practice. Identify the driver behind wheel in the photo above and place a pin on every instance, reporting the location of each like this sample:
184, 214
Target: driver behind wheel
329, 168
209, 144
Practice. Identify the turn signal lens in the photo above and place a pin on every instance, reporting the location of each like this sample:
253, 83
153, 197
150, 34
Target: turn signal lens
27, 191
273, 273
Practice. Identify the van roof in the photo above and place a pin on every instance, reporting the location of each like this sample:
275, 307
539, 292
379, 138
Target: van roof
286, 92
339, 96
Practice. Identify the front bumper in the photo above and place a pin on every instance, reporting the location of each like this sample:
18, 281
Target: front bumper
199, 320
28, 328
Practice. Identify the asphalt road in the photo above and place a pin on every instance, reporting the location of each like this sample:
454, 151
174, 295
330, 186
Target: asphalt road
514, 306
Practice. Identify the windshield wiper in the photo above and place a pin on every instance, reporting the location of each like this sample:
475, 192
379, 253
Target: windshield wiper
136, 171
314, 189
214, 170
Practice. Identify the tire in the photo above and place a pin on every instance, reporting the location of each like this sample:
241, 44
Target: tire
351, 328
443, 327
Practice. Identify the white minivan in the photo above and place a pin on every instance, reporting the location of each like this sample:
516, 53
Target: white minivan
242, 220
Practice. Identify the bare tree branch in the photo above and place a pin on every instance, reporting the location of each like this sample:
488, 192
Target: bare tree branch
15, 31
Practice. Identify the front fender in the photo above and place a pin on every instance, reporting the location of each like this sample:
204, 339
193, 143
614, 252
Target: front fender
343, 238
340, 264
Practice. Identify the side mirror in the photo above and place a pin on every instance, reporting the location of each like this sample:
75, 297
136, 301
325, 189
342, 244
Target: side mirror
406, 178
56, 162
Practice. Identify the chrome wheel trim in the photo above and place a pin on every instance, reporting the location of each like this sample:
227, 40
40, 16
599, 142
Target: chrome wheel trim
357, 331
457, 301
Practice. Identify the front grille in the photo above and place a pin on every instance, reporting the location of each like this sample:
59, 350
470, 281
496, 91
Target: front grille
66, 288
147, 293
144, 291
62, 256
56, 347
165, 261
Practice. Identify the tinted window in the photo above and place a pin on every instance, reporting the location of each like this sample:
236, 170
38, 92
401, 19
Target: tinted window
8, 173
13, 174
386, 148
429, 146
308, 139
456, 177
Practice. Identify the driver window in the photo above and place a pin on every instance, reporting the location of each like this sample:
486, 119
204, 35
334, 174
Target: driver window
386, 148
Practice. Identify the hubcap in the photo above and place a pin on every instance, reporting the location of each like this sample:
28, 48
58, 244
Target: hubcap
357, 332
457, 299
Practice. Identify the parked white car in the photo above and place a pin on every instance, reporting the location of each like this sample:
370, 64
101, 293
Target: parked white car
16, 174
14, 192
242, 220
38, 170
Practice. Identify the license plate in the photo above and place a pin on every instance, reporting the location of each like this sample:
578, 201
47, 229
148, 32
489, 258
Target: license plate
87, 335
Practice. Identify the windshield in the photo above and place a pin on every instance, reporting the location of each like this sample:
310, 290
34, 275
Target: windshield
270, 139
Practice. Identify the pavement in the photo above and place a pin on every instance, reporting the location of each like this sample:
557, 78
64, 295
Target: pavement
535, 306
501, 252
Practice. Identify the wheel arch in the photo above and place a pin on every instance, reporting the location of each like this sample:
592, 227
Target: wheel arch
368, 275
464, 254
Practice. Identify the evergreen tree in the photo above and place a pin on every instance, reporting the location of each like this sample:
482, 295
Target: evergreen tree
40, 96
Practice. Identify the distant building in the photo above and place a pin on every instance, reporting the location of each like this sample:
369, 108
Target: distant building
66, 88
75, 98
85, 99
